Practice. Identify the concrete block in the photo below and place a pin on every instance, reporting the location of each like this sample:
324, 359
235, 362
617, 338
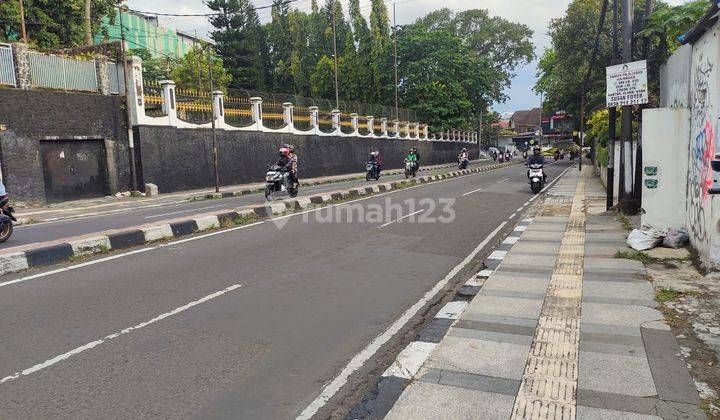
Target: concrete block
326, 198
423, 400
207, 223
156, 233
90, 246
12, 263
49, 255
481, 357
410, 360
151, 190
302, 203
616, 373
277, 208
127, 239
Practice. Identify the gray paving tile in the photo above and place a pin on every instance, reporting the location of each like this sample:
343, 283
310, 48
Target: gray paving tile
610, 289
672, 379
495, 327
637, 405
470, 381
423, 400
616, 349
587, 413
511, 293
620, 301
614, 277
512, 269
589, 327
505, 306
502, 281
474, 334
614, 373
525, 322
532, 260
612, 264
611, 338
481, 357
630, 316
435, 330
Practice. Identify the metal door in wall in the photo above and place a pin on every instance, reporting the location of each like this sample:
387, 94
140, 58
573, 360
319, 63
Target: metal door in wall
74, 169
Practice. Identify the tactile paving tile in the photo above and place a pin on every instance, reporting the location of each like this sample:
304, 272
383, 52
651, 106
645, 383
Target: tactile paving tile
549, 385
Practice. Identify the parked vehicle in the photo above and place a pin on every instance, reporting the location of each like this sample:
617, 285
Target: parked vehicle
411, 169
6, 219
537, 177
276, 180
371, 171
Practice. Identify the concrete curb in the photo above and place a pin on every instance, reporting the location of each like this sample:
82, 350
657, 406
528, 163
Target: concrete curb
68, 251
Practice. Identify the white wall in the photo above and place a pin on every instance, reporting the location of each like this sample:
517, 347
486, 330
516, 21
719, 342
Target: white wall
675, 79
703, 209
662, 132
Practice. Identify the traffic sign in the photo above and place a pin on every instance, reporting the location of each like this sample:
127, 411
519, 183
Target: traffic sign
627, 84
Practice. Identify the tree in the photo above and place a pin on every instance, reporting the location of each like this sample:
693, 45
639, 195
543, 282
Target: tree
381, 64
322, 80
440, 77
154, 69
53, 23
281, 46
193, 70
359, 74
240, 42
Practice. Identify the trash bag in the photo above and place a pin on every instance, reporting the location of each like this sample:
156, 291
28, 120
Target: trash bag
644, 238
676, 238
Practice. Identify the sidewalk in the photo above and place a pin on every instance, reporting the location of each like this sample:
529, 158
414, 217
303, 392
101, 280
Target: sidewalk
112, 204
559, 329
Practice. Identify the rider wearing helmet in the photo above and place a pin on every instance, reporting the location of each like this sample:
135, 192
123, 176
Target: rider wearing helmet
285, 163
463, 154
294, 167
413, 157
537, 159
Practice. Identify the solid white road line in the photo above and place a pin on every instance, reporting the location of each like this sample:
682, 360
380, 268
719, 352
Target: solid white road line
512, 215
93, 344
184, 211
404, 217
359, 360
472, 192
503, 180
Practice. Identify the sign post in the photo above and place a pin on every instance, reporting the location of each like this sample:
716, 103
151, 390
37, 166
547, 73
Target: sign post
627, 84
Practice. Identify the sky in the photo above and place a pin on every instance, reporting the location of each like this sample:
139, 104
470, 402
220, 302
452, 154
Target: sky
534, 13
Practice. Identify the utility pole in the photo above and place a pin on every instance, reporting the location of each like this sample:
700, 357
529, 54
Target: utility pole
397, 114
88, 23
612, 120
628, 203
214, 131
128, 104
596, 47
23, 30
335, 54
540, 140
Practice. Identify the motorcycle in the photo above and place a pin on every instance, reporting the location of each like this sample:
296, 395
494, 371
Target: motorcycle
275, 179
537, 177
410, 169
371, 171
6, 220
462, 164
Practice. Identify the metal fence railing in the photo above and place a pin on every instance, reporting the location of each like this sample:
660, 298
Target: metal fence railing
7, 67
57, 72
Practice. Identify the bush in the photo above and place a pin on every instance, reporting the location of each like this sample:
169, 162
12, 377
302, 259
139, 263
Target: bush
603, 156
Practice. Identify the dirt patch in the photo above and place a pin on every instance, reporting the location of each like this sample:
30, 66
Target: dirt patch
691, 305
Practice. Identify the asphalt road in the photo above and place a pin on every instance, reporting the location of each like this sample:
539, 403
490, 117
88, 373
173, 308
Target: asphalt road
51, 231
245, 323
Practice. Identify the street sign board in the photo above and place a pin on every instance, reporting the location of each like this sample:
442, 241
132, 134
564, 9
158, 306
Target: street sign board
627, 84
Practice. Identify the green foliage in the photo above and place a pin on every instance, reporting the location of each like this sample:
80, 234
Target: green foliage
641, 256
666, 294
53, 23
240, 41
603, 156
666, 24
322, 80
153, 68
193, 70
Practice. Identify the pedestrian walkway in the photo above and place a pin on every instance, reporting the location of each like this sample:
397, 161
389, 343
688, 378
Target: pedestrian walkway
560, 329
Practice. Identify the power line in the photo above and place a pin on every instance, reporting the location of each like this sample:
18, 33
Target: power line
207, 14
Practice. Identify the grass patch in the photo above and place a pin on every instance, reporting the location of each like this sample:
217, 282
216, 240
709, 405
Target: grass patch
625, 222
666, 294
635, 255
243, 220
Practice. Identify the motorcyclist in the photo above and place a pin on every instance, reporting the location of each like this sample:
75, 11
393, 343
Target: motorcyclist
463, 154
537, 159
285, 162
294, 166
374, 158
412, 157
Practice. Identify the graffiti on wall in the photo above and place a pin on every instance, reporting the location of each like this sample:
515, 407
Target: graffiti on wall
703, 70
702, 152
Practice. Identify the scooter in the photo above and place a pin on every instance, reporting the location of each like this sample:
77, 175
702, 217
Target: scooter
371, 171
537, 177
275, 179
6, 219
462, 164
410, 169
